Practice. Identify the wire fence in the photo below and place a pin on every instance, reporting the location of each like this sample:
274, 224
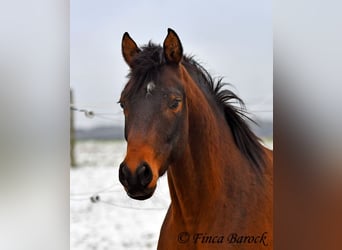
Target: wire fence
114, 116
97, 196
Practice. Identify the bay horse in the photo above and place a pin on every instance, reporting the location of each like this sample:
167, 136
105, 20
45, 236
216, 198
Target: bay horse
181, 120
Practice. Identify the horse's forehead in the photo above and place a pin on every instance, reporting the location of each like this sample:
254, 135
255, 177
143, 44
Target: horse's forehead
150, 87
164, 80
170, 77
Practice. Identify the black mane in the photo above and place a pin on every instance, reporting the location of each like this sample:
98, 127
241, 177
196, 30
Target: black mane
145, 68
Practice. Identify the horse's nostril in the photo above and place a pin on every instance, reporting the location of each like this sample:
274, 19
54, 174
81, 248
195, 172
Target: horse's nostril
124, 174
145, 175
139, 179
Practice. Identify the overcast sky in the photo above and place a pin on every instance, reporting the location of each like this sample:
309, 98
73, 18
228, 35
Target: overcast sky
230, 38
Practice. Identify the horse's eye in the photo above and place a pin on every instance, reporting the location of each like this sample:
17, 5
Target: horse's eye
122, 105
174, 104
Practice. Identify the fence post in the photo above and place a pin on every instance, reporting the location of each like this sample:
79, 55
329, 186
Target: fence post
72, 133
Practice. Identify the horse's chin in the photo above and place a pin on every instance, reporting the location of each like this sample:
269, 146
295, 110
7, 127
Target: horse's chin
142, 195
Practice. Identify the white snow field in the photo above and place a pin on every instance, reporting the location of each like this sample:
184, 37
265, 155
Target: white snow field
115, 221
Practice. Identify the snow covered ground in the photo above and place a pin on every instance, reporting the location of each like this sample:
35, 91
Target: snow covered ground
114, 221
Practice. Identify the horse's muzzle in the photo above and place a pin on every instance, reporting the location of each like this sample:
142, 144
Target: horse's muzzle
136, 184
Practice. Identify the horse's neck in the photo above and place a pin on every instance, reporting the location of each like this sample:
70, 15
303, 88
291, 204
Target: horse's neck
204, 175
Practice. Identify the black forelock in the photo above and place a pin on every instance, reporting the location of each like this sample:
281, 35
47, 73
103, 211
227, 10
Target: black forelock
145, 67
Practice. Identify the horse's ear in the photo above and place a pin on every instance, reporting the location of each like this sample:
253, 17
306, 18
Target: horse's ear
129, 49
173, 50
